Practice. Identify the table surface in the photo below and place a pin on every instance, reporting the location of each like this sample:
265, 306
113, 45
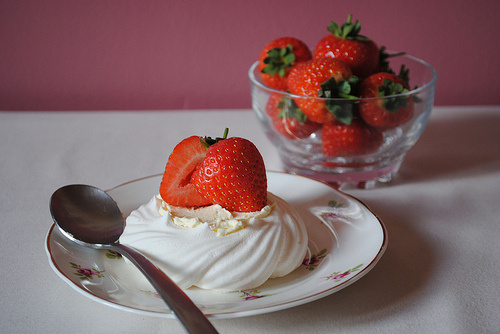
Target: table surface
440, 272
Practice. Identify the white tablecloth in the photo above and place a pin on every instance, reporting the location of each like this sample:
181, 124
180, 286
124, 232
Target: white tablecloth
440, 273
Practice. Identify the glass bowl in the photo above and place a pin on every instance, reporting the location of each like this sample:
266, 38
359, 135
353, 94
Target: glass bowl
302, 152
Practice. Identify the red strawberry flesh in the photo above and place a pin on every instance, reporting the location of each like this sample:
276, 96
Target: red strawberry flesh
176, 188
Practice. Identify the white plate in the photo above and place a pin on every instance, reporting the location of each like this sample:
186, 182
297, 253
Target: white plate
345, 242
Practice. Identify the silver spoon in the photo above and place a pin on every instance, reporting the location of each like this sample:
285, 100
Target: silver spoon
90, 217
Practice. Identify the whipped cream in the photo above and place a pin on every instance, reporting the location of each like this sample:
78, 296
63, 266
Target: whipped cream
218, 219
212, 248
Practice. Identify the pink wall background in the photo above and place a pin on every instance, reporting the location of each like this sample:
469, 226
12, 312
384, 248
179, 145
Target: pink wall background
128, 55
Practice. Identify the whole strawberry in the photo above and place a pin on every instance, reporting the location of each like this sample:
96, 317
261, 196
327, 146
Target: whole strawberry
388, 111
345, 43
324, 78
288, 119
342, 140
277, 59
233, 175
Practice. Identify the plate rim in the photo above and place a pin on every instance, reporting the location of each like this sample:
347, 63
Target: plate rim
241, 313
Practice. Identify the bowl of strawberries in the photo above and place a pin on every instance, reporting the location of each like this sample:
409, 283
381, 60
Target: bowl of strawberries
346, 112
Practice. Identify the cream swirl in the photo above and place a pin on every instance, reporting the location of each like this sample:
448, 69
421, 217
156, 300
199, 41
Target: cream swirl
266, 244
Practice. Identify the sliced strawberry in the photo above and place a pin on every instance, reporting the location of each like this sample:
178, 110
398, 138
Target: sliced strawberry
176, 188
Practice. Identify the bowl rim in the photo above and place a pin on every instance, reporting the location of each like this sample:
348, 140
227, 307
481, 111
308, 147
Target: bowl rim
429, 84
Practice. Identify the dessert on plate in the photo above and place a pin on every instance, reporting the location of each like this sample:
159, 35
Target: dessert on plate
213, 224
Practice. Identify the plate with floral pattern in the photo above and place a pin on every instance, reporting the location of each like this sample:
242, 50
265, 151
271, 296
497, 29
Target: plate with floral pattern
346, 240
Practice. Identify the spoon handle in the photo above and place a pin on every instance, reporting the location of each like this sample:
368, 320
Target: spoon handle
188, 313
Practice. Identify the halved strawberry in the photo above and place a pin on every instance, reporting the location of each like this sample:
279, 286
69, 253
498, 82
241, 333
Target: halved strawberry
176, 187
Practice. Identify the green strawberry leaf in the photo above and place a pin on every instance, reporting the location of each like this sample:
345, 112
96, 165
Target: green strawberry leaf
342, 89
393, 104
404, 74
331, 89
290, 109
343, 113
348, 30
277, 60
334, 28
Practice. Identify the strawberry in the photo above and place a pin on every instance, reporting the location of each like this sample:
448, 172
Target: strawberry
288, 119
233, 175
342, 140
176, 187
387, 112
345, 43
277, 59
325, 78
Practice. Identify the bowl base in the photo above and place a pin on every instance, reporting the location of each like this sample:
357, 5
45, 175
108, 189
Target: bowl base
361, 179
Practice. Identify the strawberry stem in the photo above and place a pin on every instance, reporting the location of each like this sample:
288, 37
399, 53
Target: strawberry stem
383, 59
208, 141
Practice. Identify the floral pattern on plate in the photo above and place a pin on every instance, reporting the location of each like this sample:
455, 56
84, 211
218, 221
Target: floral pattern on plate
86, 273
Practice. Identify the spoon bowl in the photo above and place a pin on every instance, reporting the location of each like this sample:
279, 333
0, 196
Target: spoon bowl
90, 217
87, 214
